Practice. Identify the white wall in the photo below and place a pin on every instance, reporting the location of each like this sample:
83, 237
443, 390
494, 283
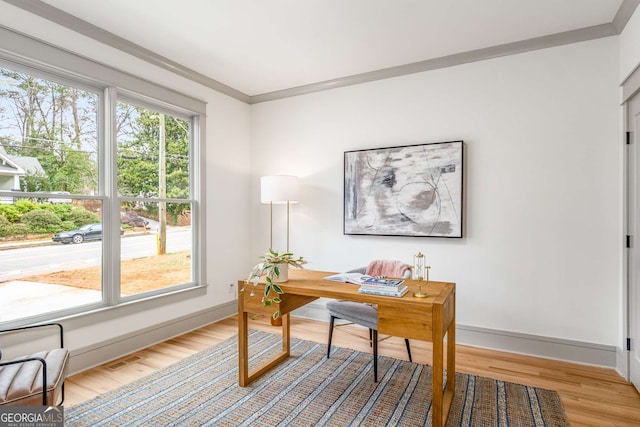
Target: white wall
542, 248
630, 46
227, 188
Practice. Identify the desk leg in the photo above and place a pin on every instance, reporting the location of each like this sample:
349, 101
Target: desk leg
437, 418
244, 376
286, 334
441, 402
243, 348
451, 368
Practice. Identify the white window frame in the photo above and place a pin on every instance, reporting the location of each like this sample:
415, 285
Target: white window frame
22, 53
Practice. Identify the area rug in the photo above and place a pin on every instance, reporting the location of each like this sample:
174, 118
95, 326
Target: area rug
309, 390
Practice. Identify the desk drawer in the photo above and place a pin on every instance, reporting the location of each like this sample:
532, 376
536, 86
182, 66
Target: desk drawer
408, 322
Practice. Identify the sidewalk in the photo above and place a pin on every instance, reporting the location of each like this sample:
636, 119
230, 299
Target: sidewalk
23, 299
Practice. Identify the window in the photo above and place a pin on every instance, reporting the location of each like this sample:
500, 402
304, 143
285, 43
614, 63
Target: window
154, 186
92, 218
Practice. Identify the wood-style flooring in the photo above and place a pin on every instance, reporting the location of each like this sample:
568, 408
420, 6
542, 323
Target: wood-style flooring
592, 396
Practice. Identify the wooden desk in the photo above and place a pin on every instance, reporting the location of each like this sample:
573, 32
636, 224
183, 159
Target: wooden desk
426, 319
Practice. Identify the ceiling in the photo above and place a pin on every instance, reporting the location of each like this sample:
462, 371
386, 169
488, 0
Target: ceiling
262, 46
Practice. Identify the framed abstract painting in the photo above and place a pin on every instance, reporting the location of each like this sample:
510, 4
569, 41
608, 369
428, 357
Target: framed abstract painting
411, 190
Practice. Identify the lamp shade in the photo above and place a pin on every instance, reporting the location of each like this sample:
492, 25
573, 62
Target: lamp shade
279, 189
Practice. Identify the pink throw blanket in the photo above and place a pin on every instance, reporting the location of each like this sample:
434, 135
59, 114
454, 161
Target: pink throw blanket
381, 267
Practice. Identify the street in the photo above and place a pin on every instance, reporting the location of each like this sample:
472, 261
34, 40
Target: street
29, 261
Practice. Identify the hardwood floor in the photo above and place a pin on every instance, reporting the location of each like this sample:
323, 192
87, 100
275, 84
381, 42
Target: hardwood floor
592, 396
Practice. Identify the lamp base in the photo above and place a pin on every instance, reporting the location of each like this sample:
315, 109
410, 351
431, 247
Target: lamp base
420, 294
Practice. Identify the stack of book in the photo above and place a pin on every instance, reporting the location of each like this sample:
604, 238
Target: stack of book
385, 287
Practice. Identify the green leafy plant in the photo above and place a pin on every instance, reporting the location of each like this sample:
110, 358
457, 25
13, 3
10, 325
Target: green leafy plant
269, 267
5, 226
41, 221
10, 212
80, 216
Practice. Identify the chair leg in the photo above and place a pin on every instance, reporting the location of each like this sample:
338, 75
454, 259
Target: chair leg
375, 356
331, 322
370, 337
406, 341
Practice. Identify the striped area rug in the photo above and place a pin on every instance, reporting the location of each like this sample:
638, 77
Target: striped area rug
309, 390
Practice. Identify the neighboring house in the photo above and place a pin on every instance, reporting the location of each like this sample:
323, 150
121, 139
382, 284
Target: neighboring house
12, 168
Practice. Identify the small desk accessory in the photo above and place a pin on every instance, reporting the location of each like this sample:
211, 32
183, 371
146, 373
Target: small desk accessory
419, 270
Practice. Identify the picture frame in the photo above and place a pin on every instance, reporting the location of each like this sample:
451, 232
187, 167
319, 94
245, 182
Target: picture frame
410, 190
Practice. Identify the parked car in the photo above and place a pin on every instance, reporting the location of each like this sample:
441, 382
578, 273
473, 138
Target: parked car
86, 232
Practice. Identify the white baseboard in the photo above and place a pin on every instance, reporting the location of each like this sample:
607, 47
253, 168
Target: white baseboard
513, 342
535, 345
98, 354
622, 363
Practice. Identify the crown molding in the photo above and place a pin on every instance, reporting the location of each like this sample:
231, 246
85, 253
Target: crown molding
67, 20
624, 14
568, 37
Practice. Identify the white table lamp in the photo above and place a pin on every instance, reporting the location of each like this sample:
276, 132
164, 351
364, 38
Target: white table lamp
278, 190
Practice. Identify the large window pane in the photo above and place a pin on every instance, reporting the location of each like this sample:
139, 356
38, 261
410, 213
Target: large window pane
153, 169
50, 264
49, 155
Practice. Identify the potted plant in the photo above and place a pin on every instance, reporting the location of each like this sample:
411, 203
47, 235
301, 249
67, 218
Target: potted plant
274, 266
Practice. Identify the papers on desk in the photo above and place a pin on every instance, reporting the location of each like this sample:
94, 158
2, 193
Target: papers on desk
357, 278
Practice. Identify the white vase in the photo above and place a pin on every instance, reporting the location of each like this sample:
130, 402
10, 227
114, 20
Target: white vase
284, 273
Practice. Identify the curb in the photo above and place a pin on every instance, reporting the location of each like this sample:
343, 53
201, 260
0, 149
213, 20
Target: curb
37, 243
17, 245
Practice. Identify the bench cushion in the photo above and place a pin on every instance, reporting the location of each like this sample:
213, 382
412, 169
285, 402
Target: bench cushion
21, 383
